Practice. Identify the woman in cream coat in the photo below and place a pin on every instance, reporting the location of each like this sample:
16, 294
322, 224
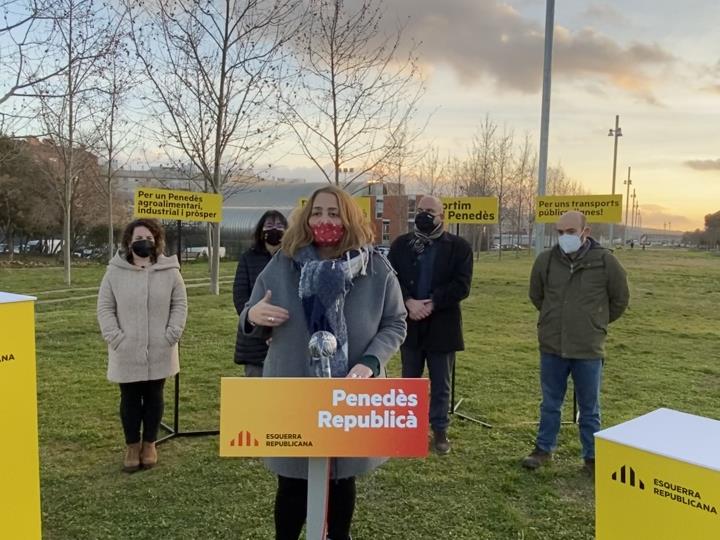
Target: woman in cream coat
141, 310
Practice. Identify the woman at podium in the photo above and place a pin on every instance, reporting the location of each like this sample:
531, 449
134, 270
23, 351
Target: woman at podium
326, 277
141, 309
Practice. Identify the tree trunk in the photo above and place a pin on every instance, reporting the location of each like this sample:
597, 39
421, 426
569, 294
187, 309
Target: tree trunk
67, 240
111, 240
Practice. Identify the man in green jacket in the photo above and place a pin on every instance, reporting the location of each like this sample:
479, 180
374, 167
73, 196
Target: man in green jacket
578, 287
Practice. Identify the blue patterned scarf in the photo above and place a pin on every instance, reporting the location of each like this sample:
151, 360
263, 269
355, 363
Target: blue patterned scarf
323, 287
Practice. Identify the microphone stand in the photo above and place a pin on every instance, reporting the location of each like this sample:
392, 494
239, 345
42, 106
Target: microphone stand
322, 347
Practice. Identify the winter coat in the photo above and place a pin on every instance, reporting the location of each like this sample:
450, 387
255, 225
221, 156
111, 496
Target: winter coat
577, 299
375, 317
248, 350
141, 312
451, 281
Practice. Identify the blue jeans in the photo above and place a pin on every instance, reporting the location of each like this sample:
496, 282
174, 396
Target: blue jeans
586, 375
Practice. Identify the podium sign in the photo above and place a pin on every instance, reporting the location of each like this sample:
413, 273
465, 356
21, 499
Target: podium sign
658, 476
20, 476
313, 417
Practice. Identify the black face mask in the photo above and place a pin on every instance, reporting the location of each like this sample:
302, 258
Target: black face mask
142, 248
425, 222
273, 236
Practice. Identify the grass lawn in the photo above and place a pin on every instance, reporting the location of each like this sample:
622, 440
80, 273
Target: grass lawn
662, 353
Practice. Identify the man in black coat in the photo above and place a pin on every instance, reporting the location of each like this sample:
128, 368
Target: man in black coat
435, 272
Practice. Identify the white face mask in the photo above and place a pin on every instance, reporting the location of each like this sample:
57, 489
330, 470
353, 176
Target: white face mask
570, 243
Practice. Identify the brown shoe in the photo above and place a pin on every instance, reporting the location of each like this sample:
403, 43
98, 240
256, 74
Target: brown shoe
590, 466
131, 461
148, 456
536, 459
440, 443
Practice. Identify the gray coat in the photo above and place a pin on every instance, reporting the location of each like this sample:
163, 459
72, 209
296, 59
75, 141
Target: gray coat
141, 312
375, 316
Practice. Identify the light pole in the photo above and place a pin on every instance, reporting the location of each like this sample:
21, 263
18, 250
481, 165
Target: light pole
617, 132
628, 183
632, 215
544, 117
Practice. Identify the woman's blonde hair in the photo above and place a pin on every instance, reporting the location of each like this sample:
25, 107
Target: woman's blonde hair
358, 230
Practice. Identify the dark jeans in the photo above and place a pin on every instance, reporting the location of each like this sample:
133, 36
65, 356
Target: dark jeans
141, 405
440, 365
291, 508
586, 375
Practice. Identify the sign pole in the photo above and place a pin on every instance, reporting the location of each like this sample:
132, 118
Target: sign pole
179, 205
455, 406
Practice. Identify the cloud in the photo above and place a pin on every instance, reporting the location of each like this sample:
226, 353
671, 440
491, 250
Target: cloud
655, 215
713, 88
487, 39
704, 164
604, 14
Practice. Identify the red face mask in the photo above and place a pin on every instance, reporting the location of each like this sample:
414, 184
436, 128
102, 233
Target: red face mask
327, 234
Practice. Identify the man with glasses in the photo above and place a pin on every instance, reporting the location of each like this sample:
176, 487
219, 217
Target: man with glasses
434, 268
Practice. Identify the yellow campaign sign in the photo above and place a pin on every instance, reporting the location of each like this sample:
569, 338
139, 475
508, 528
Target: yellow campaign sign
470, 209
597, 208
173, 204
646, 489
364, 203
20, 475
314, 417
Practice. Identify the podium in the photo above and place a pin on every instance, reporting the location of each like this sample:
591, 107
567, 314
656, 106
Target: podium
321, 419
20, 475
658, 476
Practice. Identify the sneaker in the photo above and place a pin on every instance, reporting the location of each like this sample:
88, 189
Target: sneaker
536, 459
440, 443
590, 466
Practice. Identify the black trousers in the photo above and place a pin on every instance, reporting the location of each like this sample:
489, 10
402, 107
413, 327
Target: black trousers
291, 508
440, 366
141, 406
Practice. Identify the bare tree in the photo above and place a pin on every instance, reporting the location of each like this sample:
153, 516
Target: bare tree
522, 189
356, 91
26, 29
432, 173
479, 172
85, 32
213, 70
503, 164
117, 134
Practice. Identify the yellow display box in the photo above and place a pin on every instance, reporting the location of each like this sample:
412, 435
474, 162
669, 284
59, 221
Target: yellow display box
20, 475
658, 477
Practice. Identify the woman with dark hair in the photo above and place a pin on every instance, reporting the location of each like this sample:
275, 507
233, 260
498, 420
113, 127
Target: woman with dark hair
268, 233
327, 277
141, 309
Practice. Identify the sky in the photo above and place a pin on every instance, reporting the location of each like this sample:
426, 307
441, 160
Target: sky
656, 63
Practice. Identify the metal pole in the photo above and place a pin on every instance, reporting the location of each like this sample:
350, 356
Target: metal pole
545, 117
617, 128
627, 206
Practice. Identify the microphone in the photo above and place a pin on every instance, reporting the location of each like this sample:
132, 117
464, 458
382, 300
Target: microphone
322, 347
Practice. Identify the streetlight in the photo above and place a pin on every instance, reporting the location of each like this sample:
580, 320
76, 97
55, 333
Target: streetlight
627, 182
632, 215
617, 132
